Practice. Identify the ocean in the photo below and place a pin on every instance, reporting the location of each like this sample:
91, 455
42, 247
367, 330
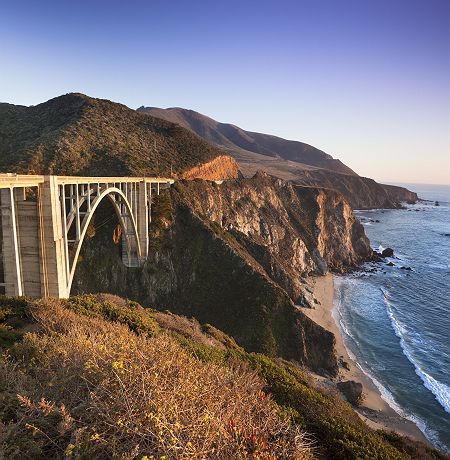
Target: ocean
396, 319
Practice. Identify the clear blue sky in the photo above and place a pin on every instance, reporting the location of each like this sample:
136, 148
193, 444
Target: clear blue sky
365, 80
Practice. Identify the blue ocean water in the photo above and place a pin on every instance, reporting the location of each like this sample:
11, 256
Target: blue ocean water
396, 321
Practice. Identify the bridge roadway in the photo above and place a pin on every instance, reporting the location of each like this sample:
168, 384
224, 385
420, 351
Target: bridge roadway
44, 220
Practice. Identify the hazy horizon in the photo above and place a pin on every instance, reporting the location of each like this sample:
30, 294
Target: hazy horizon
366, 82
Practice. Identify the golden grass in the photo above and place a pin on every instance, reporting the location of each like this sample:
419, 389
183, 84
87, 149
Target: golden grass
88, 388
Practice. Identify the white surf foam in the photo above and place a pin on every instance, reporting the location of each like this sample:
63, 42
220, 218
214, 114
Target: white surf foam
386, 395
440, 390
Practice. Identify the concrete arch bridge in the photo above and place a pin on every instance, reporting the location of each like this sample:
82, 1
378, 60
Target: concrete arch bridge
44, 220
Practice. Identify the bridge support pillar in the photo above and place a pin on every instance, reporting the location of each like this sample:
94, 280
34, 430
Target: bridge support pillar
54, 276
12, 264
142, 216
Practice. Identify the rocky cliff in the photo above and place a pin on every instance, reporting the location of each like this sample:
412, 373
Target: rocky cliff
361, 192
78, 135
291, 231
235, 255
400, 194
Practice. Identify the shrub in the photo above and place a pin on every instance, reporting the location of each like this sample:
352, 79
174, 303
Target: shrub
89, 388
12, 311
129, 313
8, 336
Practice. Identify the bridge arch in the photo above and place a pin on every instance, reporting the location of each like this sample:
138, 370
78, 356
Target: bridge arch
126, 218
45, 220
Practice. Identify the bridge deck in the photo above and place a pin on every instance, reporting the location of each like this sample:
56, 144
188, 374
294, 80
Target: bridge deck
9, 180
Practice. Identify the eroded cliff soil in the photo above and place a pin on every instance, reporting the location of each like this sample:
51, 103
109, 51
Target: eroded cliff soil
220, 168
235, 255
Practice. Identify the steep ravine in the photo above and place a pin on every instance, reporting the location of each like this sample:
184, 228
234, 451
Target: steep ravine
235, 255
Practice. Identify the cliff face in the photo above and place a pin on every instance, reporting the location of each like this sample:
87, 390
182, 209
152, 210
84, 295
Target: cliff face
291, 231
78, 135
233, 255
399, 194
361, 192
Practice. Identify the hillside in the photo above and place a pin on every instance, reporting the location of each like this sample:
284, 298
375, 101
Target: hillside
78, 135
243, 145
102, 377
289, 160
260, 236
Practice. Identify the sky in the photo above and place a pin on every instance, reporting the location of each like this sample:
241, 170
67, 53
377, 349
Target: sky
367, 81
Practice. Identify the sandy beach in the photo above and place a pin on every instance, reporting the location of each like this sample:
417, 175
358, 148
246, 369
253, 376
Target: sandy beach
374, 410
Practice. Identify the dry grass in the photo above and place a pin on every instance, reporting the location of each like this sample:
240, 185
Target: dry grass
187, 327
88, 388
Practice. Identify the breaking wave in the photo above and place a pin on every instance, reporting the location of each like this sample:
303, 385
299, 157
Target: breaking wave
440, 390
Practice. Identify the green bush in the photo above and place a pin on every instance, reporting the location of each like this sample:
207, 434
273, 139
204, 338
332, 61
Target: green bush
131, 314
8, 336
12, 312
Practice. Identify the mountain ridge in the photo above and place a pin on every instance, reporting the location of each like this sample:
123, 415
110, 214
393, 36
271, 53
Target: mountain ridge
287, 159
235, 139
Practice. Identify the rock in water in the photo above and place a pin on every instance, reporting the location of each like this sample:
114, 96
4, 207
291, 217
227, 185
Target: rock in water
352, 391
388, 252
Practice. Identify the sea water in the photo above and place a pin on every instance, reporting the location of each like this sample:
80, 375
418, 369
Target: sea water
396, 319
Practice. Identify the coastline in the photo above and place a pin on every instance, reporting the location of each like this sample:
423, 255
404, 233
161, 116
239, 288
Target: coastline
374, 410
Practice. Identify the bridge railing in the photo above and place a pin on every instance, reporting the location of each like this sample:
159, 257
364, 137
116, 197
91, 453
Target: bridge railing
8, 180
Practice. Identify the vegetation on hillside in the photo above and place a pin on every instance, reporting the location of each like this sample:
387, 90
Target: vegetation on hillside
86, 387
78, 135
99, 376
